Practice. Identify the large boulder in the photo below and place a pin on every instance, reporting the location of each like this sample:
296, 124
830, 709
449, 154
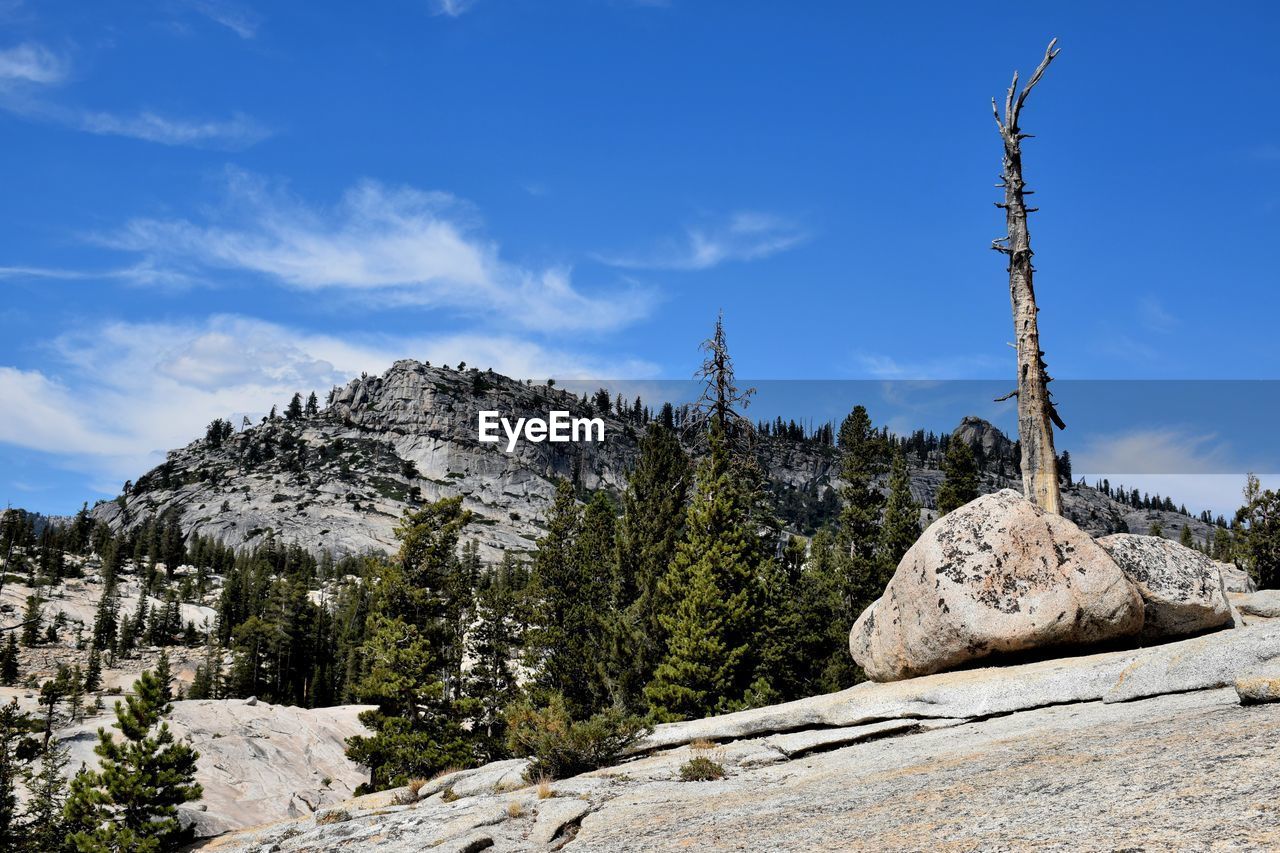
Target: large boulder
1182, 590
1234, 578
996, 575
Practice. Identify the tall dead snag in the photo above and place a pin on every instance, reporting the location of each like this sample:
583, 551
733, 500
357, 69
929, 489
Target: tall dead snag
1035, 405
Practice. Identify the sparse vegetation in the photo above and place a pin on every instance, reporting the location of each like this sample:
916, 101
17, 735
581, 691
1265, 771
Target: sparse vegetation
701, 769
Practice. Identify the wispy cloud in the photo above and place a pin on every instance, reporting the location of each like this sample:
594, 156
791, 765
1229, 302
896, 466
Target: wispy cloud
234, 133
1154, 316
241, 21
29, 71
114, 397
744, 236
880, 366
403, 245
1153, 451
451, 8
31, 63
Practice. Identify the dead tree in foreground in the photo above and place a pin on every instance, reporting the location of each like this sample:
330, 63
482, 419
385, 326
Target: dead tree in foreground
1036, 412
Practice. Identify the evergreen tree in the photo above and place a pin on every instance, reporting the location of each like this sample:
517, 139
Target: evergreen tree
960, 480
492, 645
294, 410
572, 577
45, 827
313, 405
1184, 537
901, 525
16, 746
130, 802
651, 527
418, 727
713, 581
32, 622
9, 661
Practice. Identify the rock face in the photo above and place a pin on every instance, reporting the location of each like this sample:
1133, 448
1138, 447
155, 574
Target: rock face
1235, 579
996, 575
996, 758
1260, 686
1182, 590
339, 479
258, 762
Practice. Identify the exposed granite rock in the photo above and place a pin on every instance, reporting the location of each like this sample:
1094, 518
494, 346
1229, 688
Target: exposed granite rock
1260, 686
1264, 603
1182, 590
257, 762
1144, 771
1235, 579
1200, 663
340, 480
996, 575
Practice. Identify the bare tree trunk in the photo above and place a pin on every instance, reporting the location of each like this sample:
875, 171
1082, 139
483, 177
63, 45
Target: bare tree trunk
1036, 412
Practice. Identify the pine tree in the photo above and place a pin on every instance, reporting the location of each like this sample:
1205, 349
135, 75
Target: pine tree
572, 576
130, 802
492, 645
707, 665
651, 527
93, 672
418, 727
960, 477
45, 827
699, 670
313, 405
32, 622
1184, 537
294, 410
9, 661
900, 527
15, 747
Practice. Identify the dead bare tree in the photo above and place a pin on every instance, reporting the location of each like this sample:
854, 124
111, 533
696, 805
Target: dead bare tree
1036, 412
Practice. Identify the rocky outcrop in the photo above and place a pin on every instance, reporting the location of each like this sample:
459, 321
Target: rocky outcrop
996, 575
1234, 578
1182, 590
990, 758
258, 762
1265, 603
339, 480
1260, 686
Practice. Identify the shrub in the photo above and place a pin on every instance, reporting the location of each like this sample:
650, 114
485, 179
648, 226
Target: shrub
701, 769
559, 746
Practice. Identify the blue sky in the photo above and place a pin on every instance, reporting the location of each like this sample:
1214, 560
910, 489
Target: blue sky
208, 204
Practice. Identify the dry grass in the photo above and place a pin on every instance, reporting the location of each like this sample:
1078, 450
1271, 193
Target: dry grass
415, 785
544, 788
701, 769
448, 795
702, 743
515, 809
445, 772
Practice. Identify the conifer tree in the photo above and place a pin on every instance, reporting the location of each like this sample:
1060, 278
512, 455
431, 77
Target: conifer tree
130, 802
492, 645
32, 622
45, 827
15, 747
1184, 537
900, 527
417, 727
715, 572
294, 410
960, 477
572, 576
9, 661
651, 527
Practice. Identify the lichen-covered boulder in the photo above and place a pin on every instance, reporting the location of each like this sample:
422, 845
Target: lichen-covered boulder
1182, 591
996, 575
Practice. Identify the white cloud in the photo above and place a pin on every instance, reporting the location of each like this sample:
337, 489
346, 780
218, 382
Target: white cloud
407, 246
234, 133
1155, 316
880, 366
29, 69
451, 8
744, 236
31, 63
116, 397
243, 22
1152, 451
